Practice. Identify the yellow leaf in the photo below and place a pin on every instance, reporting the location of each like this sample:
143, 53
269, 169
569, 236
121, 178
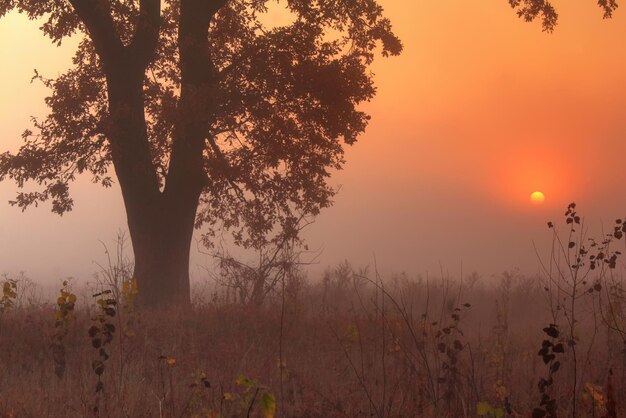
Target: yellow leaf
500, 391
483, 408
170, 361
244, 381
269, 405
595, 392
229, 396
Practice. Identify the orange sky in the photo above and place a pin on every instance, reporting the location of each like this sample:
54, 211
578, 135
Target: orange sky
480, 111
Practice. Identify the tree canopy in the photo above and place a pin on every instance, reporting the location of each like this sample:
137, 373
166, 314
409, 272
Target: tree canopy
210, 115
280, 101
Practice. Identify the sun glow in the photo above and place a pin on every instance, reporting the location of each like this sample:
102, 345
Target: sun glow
537, 198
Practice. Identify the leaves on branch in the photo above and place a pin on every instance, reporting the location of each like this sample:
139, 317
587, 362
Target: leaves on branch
529, 10
281, 103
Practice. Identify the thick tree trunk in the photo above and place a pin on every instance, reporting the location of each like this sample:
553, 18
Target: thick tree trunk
160, 222
162, 256
160, 219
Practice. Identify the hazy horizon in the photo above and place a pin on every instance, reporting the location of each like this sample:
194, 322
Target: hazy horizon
479, 111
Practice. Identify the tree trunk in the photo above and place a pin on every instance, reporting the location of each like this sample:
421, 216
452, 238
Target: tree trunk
161, 248
160, 222
258, 289
160, 219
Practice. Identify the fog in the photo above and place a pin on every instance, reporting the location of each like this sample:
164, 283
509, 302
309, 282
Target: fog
479, 111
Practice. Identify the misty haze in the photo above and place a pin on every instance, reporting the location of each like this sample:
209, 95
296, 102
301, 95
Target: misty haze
241, 208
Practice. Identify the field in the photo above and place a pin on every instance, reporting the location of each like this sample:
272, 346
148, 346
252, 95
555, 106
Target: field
349, 345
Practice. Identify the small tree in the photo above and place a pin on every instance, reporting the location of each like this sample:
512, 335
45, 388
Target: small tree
252, 283
208, 114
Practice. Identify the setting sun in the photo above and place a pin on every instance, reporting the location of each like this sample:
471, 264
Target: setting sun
537, 198
245, 168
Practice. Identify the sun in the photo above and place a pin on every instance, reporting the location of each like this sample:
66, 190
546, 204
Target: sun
537, 198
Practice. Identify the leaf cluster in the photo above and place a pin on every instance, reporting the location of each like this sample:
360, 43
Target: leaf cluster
101, 334
9, 294
65, 305
283, 104
529, 10
251, 389
450, 345
548, 353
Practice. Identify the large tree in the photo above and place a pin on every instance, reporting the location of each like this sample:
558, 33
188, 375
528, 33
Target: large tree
209, 113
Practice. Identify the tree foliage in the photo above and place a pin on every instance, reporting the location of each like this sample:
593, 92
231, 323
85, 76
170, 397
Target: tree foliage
529, 10
282, 103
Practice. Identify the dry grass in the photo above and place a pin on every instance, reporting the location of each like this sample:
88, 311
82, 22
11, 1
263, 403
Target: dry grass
345, 347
